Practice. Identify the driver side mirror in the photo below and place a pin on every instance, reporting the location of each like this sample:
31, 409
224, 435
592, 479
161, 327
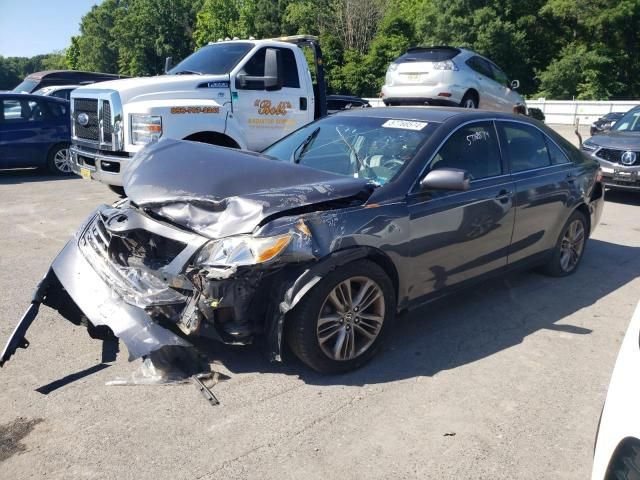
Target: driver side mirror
446, 179
515, 84
272, 78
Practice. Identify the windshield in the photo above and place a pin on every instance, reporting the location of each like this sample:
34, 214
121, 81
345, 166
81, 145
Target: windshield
630, 122
26, 86
213, 59
362, 147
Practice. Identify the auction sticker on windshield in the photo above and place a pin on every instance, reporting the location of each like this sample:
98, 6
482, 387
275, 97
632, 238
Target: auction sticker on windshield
404, 124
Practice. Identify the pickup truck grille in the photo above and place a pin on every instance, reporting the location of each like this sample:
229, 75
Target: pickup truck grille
615, 156
106, 122
90, 131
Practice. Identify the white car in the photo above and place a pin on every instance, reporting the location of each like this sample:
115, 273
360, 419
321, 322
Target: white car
60, 91
450, 76
617, 452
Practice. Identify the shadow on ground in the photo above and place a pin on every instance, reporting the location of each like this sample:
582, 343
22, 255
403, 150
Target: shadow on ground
30, 175
471, 324
462, 328
622, 196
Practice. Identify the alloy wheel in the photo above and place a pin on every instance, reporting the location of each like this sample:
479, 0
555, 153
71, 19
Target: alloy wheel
572, 245
351, 318
62, 160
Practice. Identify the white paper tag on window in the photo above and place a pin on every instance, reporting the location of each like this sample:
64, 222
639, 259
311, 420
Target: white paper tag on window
404, 124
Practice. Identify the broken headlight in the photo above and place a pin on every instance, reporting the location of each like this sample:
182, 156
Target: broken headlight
242, 250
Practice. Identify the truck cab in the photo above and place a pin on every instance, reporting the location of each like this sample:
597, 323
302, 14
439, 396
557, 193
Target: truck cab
237, 93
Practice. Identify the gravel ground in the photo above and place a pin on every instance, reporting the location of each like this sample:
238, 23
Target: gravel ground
502, 381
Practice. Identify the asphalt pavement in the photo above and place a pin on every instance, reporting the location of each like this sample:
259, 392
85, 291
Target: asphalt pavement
504, 380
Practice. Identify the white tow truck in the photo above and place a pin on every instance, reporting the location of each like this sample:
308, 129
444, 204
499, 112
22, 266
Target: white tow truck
238, 93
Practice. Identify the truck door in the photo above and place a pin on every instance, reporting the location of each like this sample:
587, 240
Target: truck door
268, 115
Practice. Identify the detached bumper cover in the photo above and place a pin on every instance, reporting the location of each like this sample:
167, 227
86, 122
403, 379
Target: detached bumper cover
98, 302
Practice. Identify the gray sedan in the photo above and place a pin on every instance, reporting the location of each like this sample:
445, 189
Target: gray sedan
324, 237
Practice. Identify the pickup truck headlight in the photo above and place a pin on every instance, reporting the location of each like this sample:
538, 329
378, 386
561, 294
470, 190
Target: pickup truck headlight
241, 250
145, 129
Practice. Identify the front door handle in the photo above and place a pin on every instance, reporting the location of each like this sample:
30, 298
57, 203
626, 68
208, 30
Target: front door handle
571, 177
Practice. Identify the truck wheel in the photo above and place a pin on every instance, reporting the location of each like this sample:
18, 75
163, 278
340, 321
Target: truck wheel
59, 160
569, 248
118, 190
343, 321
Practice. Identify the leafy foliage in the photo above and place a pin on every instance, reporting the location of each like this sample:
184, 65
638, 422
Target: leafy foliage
556, 48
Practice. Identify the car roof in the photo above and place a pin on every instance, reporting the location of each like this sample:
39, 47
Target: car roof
432, 114
30, 96
58, 87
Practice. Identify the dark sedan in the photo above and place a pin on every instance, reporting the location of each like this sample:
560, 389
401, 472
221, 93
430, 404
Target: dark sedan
321, 240
618, 152
34, 132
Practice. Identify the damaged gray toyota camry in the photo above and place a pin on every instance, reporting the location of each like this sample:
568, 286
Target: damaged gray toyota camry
321, 240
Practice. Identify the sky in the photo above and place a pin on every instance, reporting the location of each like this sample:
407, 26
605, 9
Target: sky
32, 27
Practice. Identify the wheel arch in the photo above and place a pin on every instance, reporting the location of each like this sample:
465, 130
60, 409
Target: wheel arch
473, 91
213, 138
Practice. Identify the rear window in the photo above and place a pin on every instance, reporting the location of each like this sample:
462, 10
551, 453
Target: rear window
27, 86
428, 55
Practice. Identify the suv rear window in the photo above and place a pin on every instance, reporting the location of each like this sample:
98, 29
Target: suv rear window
435, 54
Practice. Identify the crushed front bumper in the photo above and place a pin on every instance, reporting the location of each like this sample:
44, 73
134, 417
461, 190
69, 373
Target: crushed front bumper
84, 293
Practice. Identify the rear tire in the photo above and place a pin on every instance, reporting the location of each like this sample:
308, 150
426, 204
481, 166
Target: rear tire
59, 160
470, 100
333, 340
569, 249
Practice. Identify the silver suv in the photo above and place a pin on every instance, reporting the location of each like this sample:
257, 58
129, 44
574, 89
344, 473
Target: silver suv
450, 76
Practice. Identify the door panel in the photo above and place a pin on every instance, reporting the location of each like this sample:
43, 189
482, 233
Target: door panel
543, 190
458, 235
266, 116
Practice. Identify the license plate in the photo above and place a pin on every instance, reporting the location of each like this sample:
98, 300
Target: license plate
413, 77
85, 173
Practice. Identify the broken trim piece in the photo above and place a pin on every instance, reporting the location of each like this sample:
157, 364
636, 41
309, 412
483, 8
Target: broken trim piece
17, 338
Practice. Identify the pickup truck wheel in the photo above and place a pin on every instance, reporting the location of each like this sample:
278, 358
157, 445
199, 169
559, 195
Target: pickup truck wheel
59, 160
344, 319
569, 248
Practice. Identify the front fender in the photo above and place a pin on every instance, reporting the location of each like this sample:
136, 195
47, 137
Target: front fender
294, 291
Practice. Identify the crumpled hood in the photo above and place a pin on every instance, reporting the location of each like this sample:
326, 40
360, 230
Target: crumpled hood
219, 191
617, 140
150, 88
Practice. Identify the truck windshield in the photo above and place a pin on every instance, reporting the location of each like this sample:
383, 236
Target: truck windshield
362, 147
213, 59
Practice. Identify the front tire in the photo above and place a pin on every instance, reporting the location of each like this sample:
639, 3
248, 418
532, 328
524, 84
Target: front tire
344, 319
59, 160
569, 248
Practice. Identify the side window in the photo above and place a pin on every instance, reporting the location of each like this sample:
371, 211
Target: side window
12, 111
61, 94
481, 66
290, 67
255, 68
557, 156
38, 111
473, 148
525, 147
499, 76
56, 109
